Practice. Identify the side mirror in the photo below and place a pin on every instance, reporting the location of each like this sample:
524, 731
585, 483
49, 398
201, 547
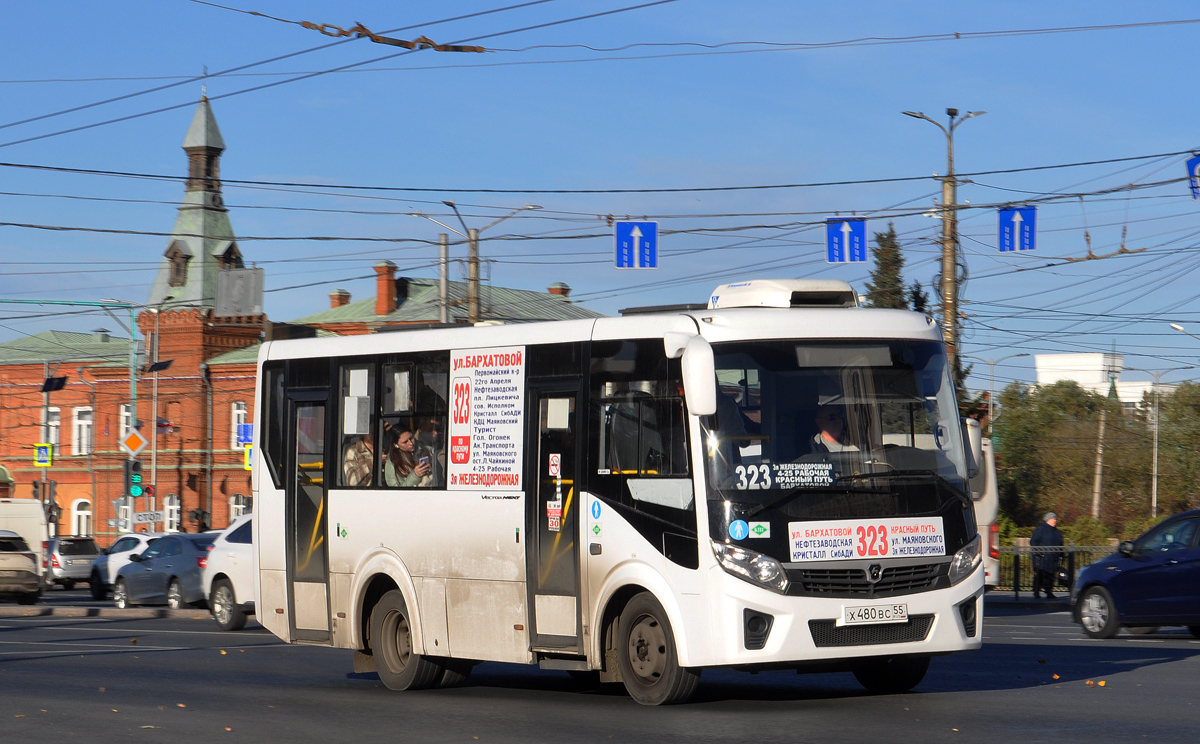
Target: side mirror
1125, 548
103, 551
136, 557
974, 441
699, 371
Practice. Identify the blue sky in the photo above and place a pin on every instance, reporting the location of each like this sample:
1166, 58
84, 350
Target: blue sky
521, 120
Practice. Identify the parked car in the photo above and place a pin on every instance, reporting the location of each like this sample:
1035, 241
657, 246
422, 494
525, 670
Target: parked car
110, 560
229, 576
1149, 582
168, 572
69, 560
19, 575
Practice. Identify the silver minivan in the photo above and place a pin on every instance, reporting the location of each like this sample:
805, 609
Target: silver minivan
69, 560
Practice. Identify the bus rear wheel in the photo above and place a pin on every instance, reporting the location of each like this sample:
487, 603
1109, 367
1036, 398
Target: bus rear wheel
391, 644
892, 674
647, 655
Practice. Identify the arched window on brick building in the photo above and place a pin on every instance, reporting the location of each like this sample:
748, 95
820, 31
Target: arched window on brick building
81, 517
173, 513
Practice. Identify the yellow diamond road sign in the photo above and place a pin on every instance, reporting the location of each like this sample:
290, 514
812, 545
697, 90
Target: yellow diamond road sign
134, 442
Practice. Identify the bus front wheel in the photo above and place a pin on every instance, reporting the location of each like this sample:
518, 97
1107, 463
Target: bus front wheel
647, 655
391, 644
893, 674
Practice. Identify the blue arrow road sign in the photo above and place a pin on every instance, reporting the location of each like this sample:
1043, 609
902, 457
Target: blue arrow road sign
1193, 167
845, 240
1018, 229
637, 245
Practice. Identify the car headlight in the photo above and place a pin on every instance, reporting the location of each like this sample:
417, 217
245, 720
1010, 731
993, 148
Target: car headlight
965, 561
750, 566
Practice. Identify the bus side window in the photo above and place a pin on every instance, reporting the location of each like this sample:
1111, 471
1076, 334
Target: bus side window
273, 417
413, 423
357, 395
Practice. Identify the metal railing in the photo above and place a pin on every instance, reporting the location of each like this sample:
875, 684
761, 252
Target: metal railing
1017, 572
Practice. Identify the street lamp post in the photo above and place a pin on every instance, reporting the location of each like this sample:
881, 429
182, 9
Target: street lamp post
472, 237
949, 288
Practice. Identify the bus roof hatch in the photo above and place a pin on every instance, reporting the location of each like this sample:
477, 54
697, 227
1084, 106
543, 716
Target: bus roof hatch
784, 293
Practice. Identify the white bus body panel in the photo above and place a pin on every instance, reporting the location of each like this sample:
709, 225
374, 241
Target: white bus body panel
987, 509
458, 557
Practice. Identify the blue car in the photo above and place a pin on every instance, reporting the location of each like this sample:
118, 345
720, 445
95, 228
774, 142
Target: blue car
1149, 582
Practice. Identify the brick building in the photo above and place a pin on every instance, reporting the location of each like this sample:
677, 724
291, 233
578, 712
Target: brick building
204, 315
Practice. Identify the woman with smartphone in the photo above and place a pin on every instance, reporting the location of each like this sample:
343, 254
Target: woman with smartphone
403, 467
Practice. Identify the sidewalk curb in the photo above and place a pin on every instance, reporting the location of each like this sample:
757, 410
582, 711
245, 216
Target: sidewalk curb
133, 613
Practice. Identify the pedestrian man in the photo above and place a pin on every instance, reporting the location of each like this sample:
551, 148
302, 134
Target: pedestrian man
1045, 561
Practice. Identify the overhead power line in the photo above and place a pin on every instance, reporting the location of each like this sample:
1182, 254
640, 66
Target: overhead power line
352, 65
664, 190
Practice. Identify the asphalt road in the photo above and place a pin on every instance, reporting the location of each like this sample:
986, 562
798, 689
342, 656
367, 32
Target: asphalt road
1037, 679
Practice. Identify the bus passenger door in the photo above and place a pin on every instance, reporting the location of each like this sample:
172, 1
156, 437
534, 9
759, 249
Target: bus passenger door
554, 549
307, 507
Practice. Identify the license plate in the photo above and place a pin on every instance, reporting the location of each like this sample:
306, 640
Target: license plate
874, 614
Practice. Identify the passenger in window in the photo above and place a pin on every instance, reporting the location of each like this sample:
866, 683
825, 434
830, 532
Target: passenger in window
358, 461
429, 438
405, 466
831, 431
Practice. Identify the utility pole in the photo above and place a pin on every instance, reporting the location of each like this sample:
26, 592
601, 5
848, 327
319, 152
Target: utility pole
472, 236
1099, 475
949, 214
443, 278
472, 275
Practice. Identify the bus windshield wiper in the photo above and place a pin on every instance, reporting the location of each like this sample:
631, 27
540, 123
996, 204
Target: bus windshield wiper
806, 490
896, 474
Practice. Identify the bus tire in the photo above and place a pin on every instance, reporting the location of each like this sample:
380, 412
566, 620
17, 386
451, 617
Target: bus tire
647, 655
455, 672
391, 645
892, 674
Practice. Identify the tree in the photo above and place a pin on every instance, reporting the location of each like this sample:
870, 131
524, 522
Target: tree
886, 288
918, 299
1046, 458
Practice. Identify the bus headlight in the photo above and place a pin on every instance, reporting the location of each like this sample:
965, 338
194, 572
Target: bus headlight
965, 561
753, 567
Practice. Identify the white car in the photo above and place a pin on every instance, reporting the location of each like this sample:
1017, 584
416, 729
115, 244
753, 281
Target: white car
228, 579
110, 561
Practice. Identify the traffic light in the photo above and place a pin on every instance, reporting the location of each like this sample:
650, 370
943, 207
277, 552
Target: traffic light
51, 490
133, 478
37, 490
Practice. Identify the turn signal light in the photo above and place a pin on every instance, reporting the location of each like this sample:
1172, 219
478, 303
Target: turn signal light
994, 541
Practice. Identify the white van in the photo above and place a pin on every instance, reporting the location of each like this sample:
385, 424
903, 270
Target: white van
27, 518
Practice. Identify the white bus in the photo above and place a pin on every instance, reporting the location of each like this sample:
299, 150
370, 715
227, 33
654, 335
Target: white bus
628, 499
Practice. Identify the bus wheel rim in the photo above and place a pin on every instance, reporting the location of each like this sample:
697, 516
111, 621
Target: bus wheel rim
648, 649
395, 629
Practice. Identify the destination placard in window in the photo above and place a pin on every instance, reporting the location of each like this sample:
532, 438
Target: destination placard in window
858, 539
487, 418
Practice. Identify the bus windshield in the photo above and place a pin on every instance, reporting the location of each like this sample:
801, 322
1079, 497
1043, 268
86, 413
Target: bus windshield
827, 416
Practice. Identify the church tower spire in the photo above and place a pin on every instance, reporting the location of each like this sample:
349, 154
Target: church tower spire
202, 242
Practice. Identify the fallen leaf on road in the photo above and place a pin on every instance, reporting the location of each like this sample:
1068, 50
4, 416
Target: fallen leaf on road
22, 715
228, 729
222, 652
1090, 683
1056, 676
133, 641
180, 705
1101, 683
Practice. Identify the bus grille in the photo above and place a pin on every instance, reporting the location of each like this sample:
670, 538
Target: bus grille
825, 633
852, 582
